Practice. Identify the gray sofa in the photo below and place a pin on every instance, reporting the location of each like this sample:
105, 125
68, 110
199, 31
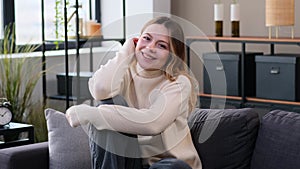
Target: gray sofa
224, 139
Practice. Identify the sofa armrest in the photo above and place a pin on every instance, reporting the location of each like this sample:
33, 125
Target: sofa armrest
33, 156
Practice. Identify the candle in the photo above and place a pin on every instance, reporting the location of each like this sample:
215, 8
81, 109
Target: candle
218, 17
235, 19
93, 28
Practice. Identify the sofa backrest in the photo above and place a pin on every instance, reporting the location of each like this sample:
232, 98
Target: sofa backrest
224, 138
278, 141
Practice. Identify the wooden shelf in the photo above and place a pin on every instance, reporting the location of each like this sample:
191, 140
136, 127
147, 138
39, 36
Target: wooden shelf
250, 99
248, 39
243, 40
253, 99
220, 96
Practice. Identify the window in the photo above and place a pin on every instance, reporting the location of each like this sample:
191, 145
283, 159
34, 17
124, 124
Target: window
1, 20
28, 20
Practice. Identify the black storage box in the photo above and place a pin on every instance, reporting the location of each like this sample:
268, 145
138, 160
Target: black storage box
278, 77
223, 70
83, 82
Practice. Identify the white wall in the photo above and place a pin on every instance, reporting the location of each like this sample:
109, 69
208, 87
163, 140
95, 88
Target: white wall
200, 12
137, 13
252, 23
252, 14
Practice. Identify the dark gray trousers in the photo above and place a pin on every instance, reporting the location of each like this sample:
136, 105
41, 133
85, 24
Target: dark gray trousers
114, 150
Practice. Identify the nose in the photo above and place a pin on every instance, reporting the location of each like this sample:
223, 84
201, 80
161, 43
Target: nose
151, 46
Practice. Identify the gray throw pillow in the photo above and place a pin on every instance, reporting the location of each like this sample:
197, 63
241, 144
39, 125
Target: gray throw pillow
224, 138
68, 147
277, 145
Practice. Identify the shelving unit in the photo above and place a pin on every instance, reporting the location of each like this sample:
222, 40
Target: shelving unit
243, 100
79, 41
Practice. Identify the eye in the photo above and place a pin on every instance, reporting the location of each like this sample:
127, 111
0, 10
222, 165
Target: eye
146, 37
162, 46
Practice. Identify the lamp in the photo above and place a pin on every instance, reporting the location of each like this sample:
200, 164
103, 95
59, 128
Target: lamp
280, 13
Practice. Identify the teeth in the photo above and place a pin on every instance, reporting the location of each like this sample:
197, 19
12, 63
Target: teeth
148, 57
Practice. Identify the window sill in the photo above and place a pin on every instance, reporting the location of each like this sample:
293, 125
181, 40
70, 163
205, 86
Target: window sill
106, 47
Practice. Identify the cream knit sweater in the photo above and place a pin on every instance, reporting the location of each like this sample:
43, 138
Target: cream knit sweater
157, 112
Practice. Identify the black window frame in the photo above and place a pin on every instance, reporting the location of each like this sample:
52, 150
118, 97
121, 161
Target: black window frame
8, 12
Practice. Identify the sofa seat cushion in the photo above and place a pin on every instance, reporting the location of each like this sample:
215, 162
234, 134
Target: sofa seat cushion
278, 141
224, 138
68, 147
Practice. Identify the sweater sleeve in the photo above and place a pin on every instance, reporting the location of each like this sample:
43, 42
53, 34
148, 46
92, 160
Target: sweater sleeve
106, 81
167, 104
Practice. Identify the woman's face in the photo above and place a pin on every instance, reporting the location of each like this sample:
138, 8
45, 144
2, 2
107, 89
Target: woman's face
153, 47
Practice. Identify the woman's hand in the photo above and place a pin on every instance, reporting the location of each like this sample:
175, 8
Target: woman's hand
72, 117
74, 112
129, 46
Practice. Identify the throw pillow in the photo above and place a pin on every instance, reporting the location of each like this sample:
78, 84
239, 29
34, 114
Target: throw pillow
277, 144
224, 138
68, 147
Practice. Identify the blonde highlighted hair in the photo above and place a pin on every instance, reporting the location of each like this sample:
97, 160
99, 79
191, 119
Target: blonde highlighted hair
176, 66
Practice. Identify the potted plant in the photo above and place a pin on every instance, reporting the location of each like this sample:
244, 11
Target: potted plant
19, 76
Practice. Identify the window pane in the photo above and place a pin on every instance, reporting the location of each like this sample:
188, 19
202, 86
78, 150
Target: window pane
49, 13
28, 21
54, 17
1, 20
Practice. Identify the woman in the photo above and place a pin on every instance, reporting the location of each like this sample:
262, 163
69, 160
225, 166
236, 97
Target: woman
150, 75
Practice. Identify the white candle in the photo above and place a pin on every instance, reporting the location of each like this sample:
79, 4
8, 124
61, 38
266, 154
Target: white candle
234, 12
218, 12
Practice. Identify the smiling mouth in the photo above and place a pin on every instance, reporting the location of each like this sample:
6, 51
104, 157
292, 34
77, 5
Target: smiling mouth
147, 56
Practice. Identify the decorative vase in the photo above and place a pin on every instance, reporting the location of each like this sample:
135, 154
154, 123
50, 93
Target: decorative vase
235, 19
218, 18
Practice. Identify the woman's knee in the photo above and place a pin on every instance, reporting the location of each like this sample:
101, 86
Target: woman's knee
170, 163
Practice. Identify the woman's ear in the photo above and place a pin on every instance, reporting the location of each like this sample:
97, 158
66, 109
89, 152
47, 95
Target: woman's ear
135, 40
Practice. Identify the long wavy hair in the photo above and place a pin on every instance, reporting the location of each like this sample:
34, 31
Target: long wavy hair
175, 65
